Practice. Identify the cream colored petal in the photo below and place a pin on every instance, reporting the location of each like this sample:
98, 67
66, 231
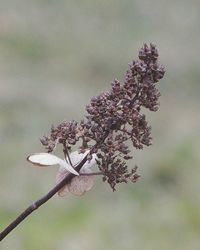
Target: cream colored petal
59, 177
77, 157
68, 167
81, 184
44, 159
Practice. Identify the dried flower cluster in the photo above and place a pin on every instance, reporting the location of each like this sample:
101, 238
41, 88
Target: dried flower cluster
114, 118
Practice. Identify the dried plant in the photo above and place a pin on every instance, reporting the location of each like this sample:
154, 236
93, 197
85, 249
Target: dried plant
114, 122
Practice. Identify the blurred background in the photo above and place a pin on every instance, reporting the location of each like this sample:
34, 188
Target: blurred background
56, 55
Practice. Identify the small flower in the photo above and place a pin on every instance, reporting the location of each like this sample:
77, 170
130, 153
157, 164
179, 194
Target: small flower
81, 182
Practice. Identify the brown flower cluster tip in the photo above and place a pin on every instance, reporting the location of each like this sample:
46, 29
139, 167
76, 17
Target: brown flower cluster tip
114, 119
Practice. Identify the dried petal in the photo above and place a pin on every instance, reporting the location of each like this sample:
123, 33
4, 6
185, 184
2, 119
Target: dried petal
81, 184
62, 173
45, 160
77, 157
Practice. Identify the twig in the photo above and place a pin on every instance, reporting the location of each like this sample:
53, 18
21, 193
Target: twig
89, 174
66, 154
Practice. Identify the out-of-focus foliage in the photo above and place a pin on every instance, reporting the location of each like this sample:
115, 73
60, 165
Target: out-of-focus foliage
54, 56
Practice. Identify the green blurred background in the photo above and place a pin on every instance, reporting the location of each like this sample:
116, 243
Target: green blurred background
56, 55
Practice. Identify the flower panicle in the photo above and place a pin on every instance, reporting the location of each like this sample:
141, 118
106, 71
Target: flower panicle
114, 118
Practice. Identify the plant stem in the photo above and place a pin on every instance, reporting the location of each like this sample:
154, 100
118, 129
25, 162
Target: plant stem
89, 174
35, 205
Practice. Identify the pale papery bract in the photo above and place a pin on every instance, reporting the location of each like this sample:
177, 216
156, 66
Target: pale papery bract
46, 160
79, 184
76, 157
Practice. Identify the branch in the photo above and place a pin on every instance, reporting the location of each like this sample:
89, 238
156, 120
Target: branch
35, 205
93, 173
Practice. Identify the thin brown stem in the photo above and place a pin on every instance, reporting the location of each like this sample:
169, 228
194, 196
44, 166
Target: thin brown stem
66, 153
35, 205
89, 174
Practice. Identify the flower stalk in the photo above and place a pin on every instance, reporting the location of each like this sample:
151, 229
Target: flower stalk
113, 121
